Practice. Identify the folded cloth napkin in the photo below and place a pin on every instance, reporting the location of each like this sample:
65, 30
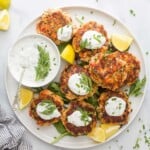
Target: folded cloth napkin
12, 133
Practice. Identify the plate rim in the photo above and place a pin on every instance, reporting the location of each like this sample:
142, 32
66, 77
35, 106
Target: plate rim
144, 64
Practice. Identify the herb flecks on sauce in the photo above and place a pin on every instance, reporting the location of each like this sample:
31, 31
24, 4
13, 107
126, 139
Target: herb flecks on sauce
50, 107
85, 116
43, 66
86, 82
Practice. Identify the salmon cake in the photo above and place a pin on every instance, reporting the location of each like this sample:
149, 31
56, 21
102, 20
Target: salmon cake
114, 107
76, 84
115, 70
89, 39
51, 21
47, 108
79, 118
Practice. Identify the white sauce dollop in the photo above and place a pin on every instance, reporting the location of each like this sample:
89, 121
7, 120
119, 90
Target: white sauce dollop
42, 107
75, 119
92, 40
115, 106
75, 85
65, 33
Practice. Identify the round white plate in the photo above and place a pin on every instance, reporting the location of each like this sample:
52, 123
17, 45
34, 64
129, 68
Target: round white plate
23, 46
47, 133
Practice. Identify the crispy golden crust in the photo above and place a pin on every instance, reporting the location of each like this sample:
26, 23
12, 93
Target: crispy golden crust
104, 117
51, 21
68, 71
85, 54
48, 95
74, 130
115, 70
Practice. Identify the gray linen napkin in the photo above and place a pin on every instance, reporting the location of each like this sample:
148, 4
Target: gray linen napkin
12, 133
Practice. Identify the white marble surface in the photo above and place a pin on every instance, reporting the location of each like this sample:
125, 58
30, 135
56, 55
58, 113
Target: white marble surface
23, 11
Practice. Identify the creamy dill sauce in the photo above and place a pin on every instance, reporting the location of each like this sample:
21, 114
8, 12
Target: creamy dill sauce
43, 107
115, 106
75, 85
25, 54
75, 119
64, 33
92, 40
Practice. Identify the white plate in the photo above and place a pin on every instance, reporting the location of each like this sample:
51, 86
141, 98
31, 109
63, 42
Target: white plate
25, 45
47, 133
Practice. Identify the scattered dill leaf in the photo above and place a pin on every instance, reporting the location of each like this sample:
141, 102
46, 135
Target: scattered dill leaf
147, 53
137, 143
80, 20
132, 12
114, 22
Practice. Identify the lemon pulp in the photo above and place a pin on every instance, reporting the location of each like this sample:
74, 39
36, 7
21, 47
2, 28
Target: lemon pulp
97, 134
110, 129
25, 96
121, 42
68, 54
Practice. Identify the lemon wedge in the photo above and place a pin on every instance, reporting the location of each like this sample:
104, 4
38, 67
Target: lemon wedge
97, 134
121, 42
4, 4
110, 129
68, 54
4, 20
25, 96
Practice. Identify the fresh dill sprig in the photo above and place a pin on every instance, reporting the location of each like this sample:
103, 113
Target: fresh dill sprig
43, 66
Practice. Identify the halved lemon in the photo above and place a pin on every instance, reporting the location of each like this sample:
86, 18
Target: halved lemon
25, 96
121, 42
68, 54
110, 129
97, 134
4, 20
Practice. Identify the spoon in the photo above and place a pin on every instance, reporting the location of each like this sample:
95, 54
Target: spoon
15, 104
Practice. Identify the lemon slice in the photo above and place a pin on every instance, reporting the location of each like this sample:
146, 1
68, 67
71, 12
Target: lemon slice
110, 129
4, 20
121, 42
25, 96
4, 4
97, 134
68, 54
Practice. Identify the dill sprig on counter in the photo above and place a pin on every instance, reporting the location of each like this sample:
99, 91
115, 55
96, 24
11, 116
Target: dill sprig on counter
43, 66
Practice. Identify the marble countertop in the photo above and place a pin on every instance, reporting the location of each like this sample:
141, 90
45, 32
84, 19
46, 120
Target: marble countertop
24, 11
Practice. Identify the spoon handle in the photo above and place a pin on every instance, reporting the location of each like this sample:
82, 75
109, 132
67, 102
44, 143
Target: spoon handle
16, 98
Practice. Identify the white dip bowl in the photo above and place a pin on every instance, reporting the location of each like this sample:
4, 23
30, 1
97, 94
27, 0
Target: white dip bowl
24, 53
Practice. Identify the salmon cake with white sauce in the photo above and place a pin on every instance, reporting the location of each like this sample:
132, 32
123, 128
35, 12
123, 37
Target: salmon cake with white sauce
56, 25
90, 39
76, 84
47, 108
114, 107
115, 70
79, 118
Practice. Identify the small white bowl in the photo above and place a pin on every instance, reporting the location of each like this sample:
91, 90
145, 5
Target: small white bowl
25, 53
